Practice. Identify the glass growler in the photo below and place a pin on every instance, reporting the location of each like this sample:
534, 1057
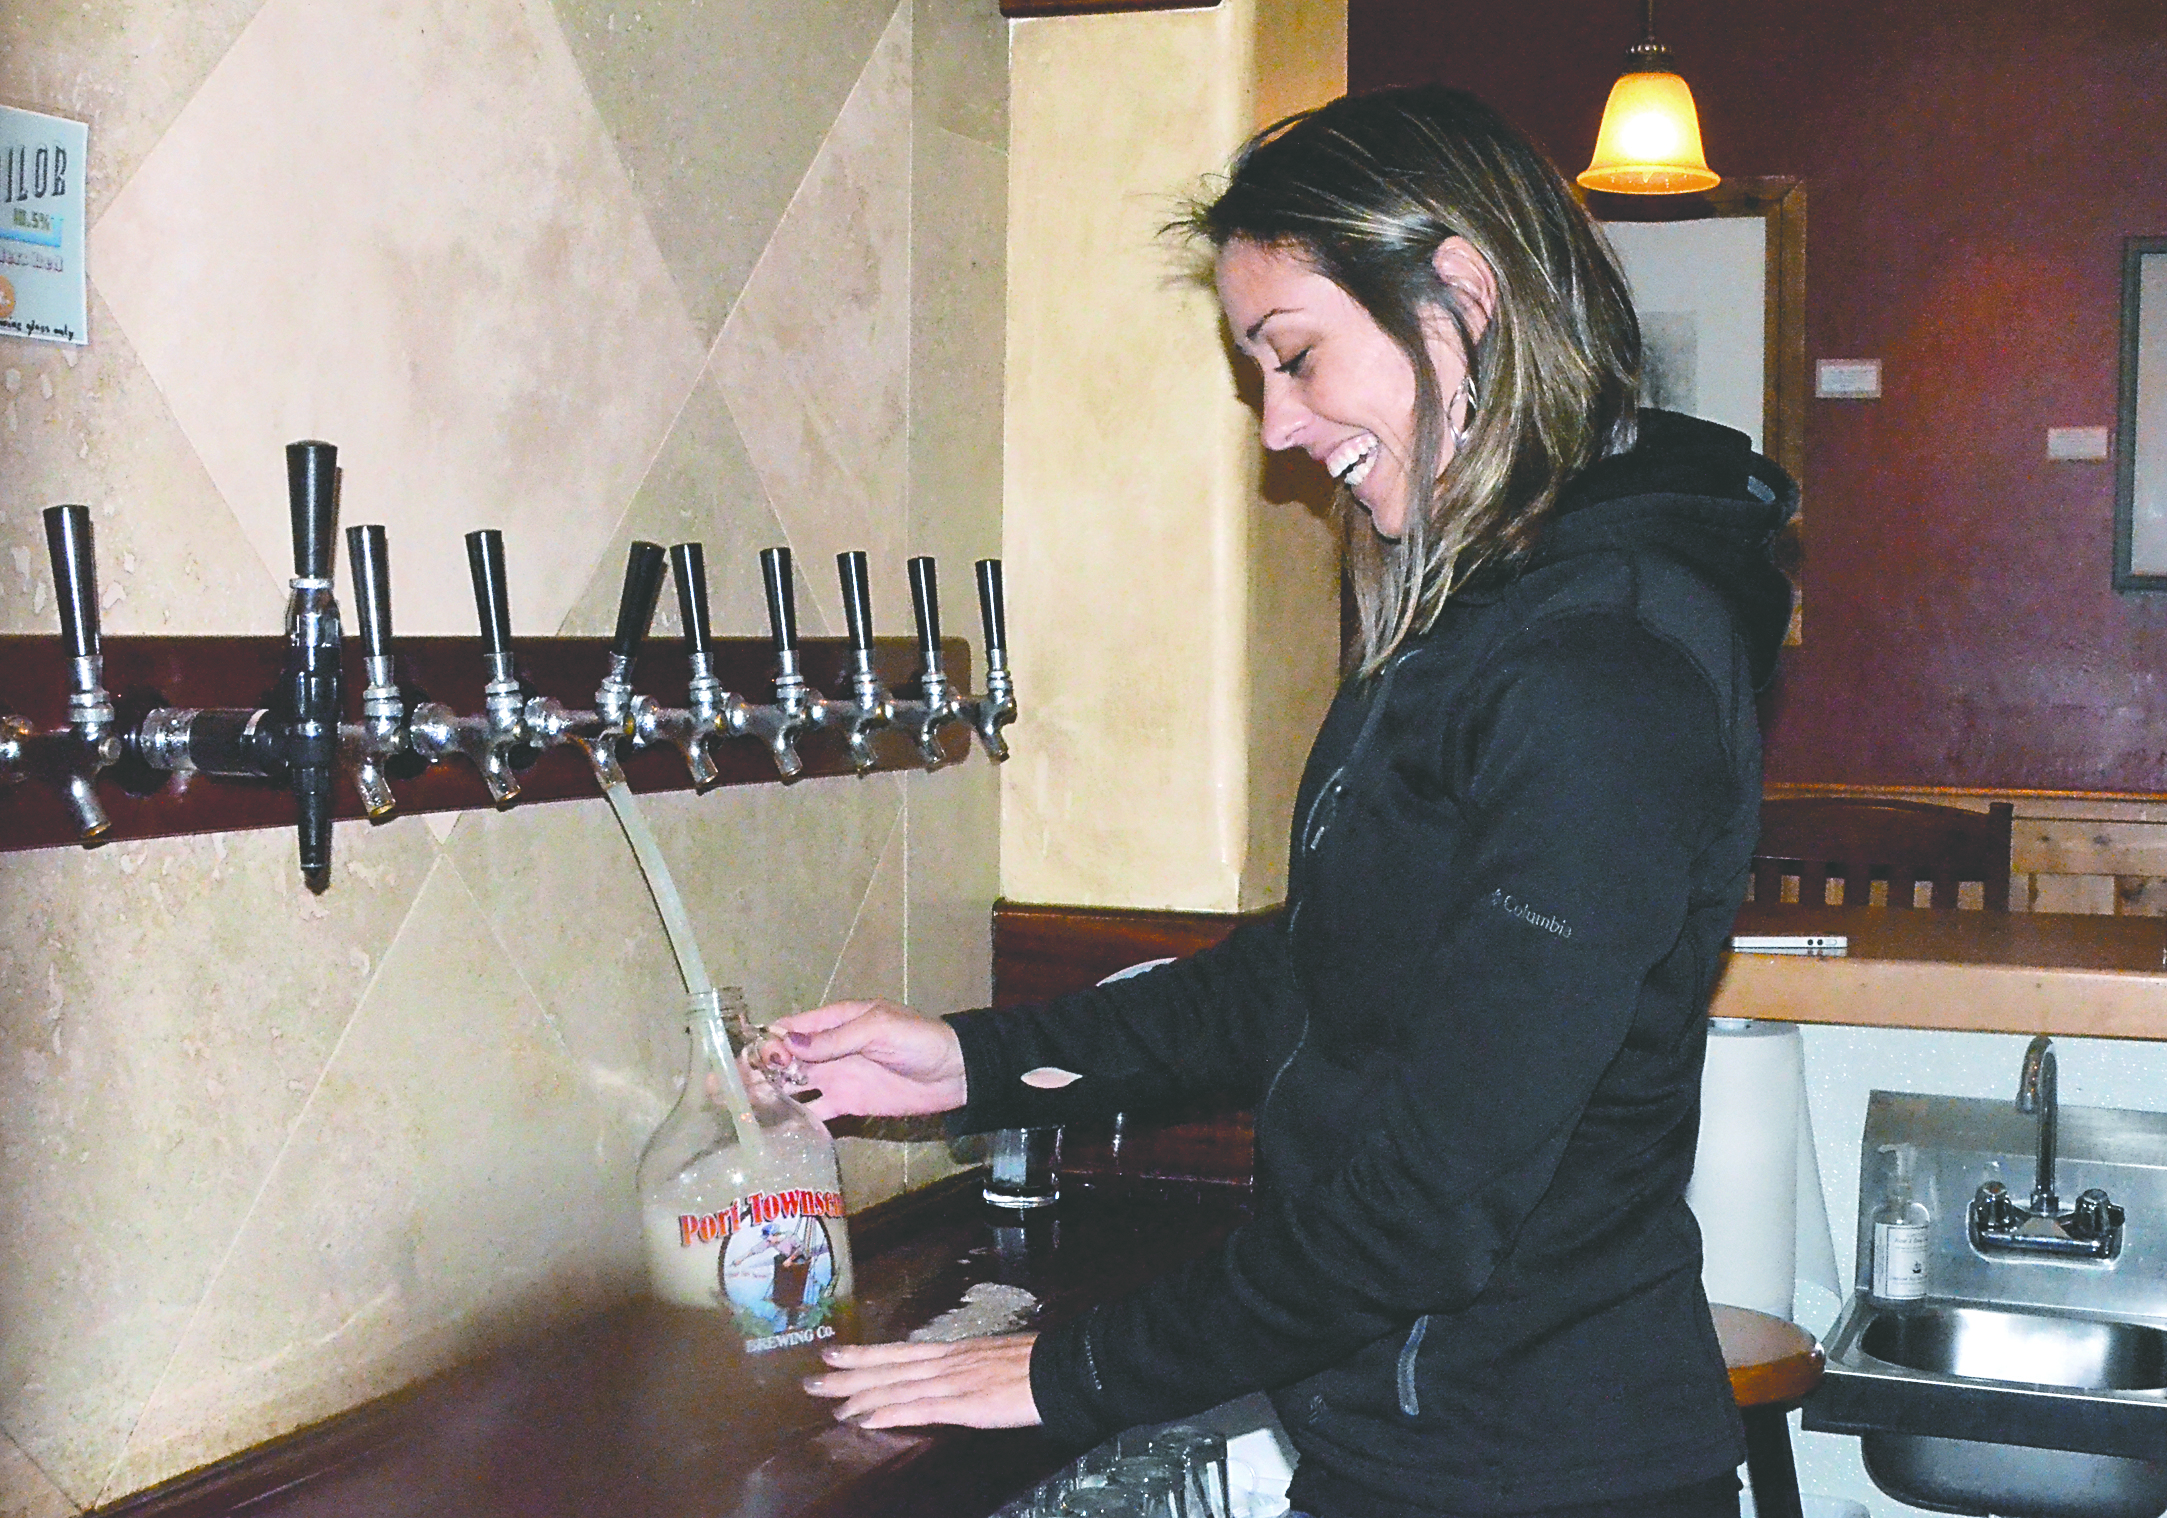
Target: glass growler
740, 1198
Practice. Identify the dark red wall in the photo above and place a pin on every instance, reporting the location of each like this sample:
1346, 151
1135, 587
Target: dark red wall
1972, 167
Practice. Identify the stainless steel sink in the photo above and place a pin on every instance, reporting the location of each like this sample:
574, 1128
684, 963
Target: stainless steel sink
2031, 1348
2022, 1387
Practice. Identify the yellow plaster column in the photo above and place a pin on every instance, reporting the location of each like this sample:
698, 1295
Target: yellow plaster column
1174, 627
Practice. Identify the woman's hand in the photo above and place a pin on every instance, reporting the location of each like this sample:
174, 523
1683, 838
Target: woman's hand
875, 1059
978, 1383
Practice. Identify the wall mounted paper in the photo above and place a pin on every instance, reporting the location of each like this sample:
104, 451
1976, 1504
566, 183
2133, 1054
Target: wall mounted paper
1756, 1187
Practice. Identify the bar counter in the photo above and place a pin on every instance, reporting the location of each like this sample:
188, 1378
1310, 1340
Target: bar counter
647, 1412
1957, 971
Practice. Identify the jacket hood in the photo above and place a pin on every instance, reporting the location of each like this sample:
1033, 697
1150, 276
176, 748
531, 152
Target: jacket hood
1698, 493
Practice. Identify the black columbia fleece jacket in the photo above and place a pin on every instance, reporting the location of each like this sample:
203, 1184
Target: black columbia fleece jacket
1473, 1041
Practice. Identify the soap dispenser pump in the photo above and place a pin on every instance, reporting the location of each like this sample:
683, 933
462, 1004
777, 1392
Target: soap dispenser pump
1901, 1228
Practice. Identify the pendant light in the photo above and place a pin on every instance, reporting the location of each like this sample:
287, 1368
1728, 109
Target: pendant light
1649, 143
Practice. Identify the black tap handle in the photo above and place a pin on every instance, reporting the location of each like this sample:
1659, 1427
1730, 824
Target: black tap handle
636, 603
688, 562
368, 559
992, 609
312, 489
780, 582
925, 605
75, 577
857, 598
492, 600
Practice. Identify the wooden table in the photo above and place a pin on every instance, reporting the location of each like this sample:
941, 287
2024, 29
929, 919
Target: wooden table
1958, 971
642, 1413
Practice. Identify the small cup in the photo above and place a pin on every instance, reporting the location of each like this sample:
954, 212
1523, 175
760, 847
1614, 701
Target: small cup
1202, 1454
1026, 1168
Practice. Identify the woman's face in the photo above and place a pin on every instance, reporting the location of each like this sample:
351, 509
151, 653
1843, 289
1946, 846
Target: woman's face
1335, 386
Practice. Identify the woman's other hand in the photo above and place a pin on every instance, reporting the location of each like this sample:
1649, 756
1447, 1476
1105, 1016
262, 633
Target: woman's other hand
875, 1059
978, 1383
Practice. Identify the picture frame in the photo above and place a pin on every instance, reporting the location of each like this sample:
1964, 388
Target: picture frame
1779, 203
2140, 434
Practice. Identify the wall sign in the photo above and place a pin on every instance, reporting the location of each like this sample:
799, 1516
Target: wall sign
42, 159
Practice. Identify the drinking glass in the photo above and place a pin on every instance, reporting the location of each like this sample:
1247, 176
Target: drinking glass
1202, 1454
1156, 1481
1100, 1502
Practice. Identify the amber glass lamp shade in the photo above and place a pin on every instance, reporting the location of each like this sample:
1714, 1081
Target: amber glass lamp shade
1650, 140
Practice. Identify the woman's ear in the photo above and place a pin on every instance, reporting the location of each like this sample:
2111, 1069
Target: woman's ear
1471, 278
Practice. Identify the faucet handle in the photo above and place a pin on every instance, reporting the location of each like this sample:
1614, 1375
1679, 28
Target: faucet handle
993, 613
925, 605
636, 602
492, 597
778, 579
75, 577
368, 559
2095, 1217
688, 563
312, 492
857, 598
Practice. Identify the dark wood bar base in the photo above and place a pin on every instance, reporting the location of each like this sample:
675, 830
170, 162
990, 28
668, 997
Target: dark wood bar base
142, 673
650, 1412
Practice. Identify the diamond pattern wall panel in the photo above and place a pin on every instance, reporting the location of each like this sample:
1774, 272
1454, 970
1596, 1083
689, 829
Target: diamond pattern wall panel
400, 226
815, 358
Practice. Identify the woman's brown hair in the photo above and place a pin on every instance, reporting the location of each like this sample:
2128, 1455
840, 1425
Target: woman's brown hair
1364, 190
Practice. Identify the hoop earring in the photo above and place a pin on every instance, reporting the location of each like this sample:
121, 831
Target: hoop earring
1467, 393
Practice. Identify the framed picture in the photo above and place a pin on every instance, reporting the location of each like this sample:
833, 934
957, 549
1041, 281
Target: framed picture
1719, 284
2140, 496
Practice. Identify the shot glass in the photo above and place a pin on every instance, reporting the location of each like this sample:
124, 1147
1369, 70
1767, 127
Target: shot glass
1026, 1168
1202, 1454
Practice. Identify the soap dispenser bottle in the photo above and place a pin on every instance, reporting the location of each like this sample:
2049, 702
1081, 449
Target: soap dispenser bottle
740, 1198
1901, 1227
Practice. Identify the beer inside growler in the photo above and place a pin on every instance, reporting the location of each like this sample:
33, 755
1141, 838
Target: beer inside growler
740, 1199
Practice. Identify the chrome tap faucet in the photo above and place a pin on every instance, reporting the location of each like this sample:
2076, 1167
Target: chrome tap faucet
689, 727
488, 739
935, 705
2092, 1229
869, 708
797, 707
989, 713
70, 758
381, 733
616, 715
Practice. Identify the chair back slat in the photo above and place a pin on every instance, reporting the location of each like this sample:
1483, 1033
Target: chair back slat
1901, 842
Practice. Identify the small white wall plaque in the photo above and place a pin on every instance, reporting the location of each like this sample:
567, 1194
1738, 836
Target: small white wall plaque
1847, 379
42, 294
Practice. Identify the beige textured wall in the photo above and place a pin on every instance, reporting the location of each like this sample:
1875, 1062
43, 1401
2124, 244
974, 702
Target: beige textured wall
586, 272
1175, 611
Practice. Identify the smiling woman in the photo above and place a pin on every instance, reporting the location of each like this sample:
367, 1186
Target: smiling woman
1472, 1043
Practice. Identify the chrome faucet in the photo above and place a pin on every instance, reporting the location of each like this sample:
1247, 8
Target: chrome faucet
869, 707
706, 711
490, 738
936, 704
797, 707
2092, 1229
381, 734
70, 758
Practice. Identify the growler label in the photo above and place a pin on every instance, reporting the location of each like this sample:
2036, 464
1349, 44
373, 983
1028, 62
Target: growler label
775, 1264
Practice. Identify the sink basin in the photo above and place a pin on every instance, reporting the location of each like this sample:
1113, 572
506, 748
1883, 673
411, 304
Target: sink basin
2030, 1348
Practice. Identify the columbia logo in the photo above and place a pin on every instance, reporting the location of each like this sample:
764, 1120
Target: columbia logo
1515, 907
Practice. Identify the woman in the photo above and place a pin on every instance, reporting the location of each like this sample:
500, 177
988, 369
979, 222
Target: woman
1473, 1040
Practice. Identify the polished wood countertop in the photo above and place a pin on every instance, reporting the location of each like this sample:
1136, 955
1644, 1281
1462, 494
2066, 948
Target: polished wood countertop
645, 1412
1959, 971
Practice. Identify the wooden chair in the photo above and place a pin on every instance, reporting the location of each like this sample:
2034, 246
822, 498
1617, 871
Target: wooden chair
1773, 1365
1902, 842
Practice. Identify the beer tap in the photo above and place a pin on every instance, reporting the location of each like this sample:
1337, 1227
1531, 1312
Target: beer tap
70, 758
617, 710
689, 726
436, 732
309, 692
989, 713
869, 707
796, 706
381, 734
936, 706
297, 738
